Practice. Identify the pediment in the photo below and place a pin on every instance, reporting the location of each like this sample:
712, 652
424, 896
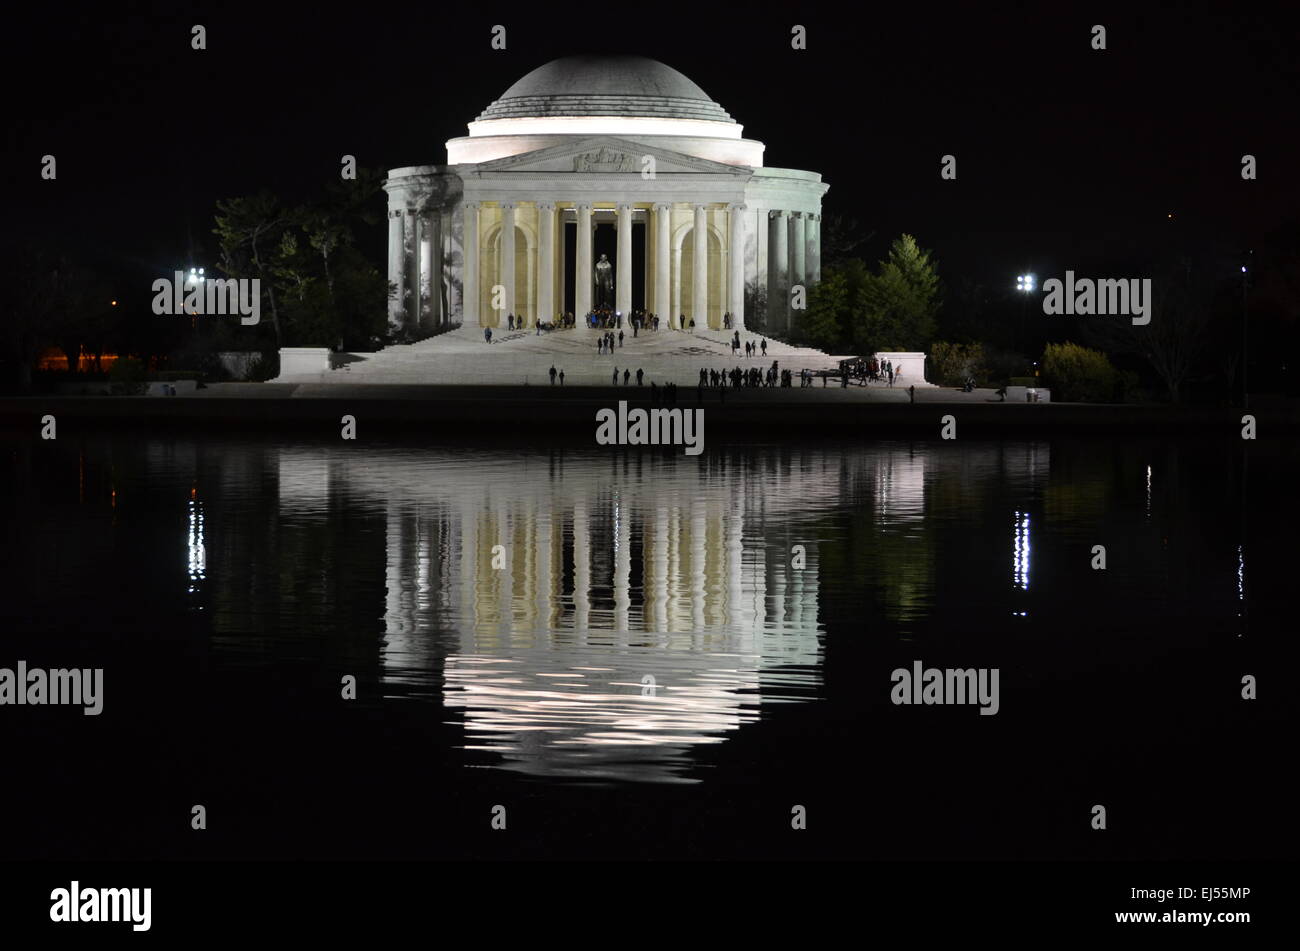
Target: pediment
608, 155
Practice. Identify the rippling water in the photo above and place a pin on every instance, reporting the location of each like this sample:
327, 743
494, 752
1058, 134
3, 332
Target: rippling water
591, 617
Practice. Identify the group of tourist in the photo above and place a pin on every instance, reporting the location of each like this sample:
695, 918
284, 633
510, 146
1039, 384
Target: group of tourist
751, 377
870, 371
751, 349
605, 318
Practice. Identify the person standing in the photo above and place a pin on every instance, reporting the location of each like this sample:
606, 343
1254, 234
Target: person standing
552, 374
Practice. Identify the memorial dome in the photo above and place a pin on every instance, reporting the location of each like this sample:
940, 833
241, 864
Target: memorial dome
605, 85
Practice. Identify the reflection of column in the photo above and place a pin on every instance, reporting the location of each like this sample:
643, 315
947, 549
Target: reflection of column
506, 266
700, 271
397, 270
434, 268
698, 587
662, 226
581, 554
623, 279
546, 266
469, 304
736, 260
397, 618
469, 565
674, 568
413, 270
582, 272
778, 264
544, 569
734, 520
659, 559
622, 563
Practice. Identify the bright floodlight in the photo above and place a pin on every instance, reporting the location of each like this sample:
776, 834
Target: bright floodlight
1025, 282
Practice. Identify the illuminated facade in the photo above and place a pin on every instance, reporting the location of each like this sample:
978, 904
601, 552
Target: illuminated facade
590, 141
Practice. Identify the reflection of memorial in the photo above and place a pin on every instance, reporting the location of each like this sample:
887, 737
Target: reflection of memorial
612, 568
608, 570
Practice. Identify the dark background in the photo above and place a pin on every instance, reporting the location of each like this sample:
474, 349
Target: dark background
1065, 155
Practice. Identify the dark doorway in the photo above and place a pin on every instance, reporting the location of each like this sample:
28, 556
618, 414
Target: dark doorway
638, 265
570, 265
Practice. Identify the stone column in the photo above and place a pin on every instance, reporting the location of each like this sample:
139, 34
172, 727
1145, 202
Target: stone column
778, 271
700, 271
736, 260
798, 247
413, 309
469, 305
663, 259
582, 271
815, 249
507, 263
436, 316
396, 271
546, 263
623, 266
678, 307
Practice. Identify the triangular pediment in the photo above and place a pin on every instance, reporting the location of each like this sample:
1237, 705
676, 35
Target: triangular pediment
604, 154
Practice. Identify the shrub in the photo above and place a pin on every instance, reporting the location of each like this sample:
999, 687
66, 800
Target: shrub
952, 363
266, 367
1079, 374
128, 377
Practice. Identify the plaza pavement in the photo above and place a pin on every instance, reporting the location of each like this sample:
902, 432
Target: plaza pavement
522, 357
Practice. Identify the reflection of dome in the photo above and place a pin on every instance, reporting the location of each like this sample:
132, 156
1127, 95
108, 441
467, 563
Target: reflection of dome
633, 86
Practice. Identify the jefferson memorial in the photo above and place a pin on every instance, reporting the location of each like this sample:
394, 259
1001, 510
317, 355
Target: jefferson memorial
591, 157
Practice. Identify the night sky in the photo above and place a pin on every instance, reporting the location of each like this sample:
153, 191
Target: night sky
1066, 156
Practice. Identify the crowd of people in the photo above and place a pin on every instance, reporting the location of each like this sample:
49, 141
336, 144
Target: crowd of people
752, 377
870, 371
605, 318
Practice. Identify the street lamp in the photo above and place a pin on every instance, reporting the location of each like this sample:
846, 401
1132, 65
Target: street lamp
1025, 285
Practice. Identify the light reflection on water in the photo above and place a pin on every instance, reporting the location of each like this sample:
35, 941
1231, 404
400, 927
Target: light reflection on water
529, 595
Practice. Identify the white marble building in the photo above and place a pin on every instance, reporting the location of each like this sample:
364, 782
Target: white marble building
623, 142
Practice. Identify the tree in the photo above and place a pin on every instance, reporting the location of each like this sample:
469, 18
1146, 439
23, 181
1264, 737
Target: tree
903, 299
854, 310
835, 307
247, 228
1176, 336
841, 237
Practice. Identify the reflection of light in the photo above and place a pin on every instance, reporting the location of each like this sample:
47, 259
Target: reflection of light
1020, 558
1148, 491
1241, 575
198, 555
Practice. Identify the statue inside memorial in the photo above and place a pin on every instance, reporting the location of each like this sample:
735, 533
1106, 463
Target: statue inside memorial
604, 283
